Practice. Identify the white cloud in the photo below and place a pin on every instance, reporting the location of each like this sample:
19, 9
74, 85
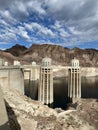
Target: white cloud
19, 10
71, 20
40, 29
58, 25
3, 23
46, 31
79, 16
7, 18
28, 26
7, 36
36, 26
60, 30
23, 33
36, 6
63, 33
12, 33
74, 31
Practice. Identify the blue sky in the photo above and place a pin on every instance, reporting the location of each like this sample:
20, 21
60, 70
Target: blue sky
69, 23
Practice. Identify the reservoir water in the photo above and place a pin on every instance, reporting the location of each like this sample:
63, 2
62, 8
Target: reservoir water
89, 89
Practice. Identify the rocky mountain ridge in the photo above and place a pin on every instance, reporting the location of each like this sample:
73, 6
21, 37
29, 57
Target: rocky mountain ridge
16, 50
59, 54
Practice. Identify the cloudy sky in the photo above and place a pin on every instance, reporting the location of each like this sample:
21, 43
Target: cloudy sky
70, 23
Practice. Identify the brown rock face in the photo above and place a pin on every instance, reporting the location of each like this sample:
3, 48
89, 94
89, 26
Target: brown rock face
16, 50
59, 54
7, 57
37, 52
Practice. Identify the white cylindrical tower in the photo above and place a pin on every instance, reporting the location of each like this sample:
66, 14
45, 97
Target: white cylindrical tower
74, 80
6, 63
33, 63
46, 82
16, 63
75, 63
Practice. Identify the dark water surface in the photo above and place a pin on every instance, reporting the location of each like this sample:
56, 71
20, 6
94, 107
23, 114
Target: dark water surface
60, 92
89, 89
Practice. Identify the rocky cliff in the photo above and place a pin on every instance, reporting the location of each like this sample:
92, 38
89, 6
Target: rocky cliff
59, 54
16, 50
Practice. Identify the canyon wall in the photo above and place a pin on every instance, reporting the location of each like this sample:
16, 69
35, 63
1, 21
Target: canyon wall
62, 71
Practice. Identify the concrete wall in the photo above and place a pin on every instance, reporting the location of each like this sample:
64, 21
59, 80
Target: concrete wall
12, 77
31, 77
33, 72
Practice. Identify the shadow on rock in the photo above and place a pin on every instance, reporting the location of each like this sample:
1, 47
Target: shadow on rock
5, 126
14, 125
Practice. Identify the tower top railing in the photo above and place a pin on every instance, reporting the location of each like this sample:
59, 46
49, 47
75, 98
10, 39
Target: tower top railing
46, 62
75, 63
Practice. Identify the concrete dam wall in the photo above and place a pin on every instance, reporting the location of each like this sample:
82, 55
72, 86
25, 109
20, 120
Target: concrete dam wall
12, 77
